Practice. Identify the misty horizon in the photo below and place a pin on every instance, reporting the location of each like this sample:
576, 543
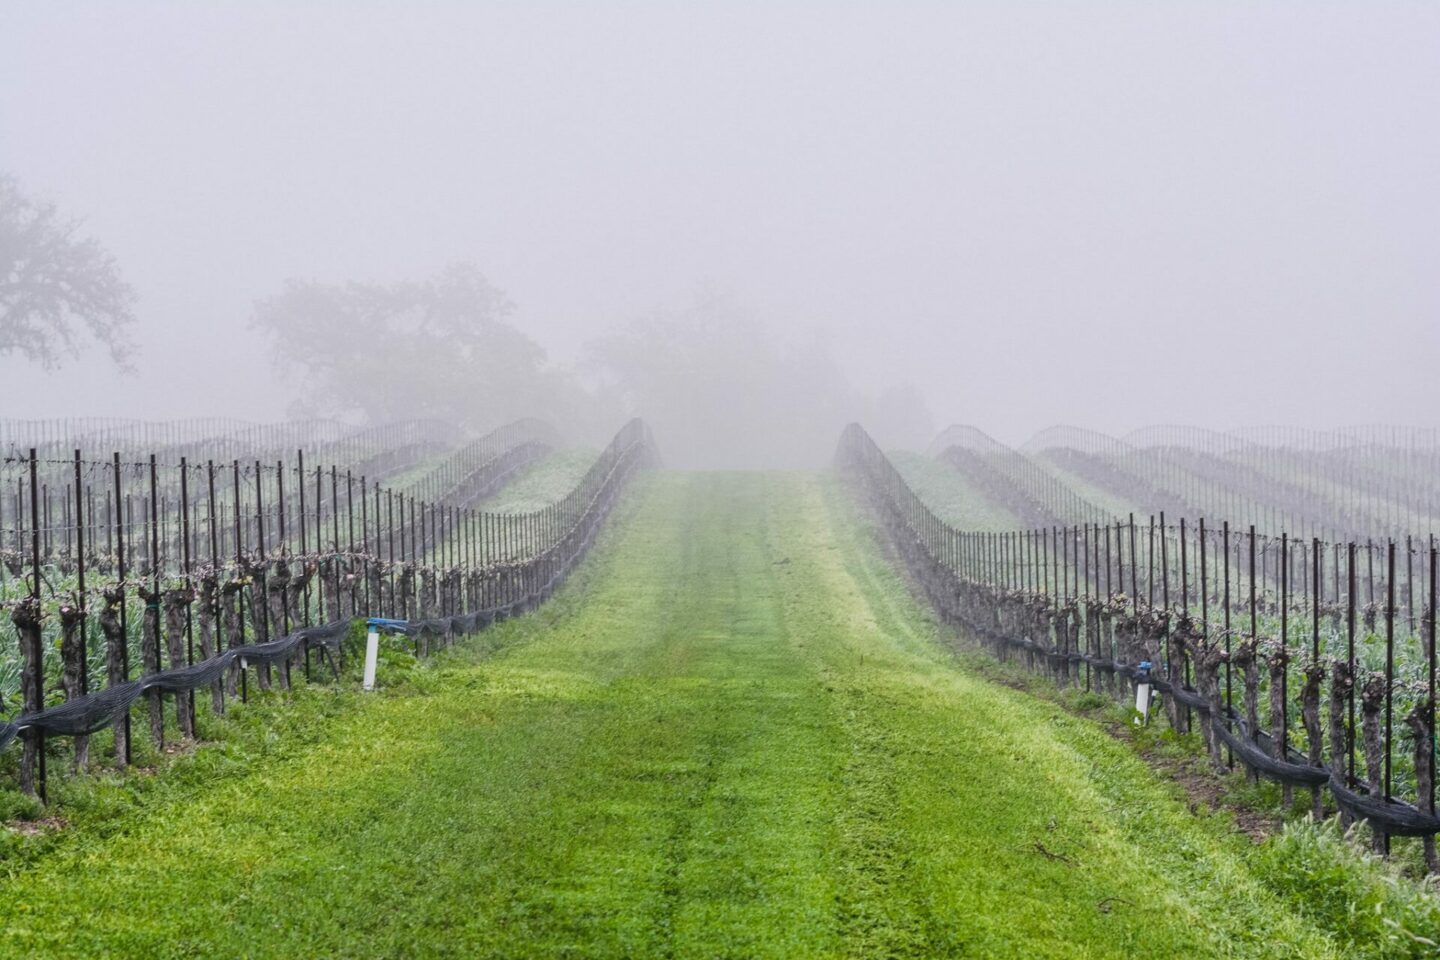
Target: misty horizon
1022, 217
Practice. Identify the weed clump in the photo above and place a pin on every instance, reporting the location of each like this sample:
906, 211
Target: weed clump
1366, 904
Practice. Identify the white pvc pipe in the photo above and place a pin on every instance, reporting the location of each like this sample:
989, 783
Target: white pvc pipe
372, 655
1142, 703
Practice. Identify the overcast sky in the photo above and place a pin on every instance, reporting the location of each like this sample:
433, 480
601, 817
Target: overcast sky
1107, 214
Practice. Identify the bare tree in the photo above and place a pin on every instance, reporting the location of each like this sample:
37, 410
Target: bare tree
56, 287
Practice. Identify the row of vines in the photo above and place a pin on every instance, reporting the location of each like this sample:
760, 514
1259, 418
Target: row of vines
1377, 482
1308, 662
132, 584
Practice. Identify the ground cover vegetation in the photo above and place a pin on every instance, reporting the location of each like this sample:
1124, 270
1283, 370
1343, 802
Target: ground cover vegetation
1075, 627
733, 734
1318, 654
541, 483
951, 494
1373, 907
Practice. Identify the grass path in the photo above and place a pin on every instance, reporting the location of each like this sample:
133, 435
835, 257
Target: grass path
951, 495
736, 736
542, 483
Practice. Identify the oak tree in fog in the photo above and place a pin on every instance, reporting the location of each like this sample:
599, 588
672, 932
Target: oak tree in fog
57, 287
442, 348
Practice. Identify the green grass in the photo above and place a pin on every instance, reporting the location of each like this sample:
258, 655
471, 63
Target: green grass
953, 498
543, 483
1371, 909
733, 735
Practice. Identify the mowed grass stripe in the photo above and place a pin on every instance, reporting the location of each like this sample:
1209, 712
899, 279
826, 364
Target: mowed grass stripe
735, 735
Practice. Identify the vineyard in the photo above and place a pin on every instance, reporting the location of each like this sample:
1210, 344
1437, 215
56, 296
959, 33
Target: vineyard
1337, 639
721, 481
616, 710
224, 577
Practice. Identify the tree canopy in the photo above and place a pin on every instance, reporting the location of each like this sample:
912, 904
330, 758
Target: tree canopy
58, 289
715, 383
442, 347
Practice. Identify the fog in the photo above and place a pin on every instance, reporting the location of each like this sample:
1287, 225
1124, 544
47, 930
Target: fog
1012, 215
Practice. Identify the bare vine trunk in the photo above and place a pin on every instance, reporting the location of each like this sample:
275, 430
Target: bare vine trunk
1341, 682
115, 667
1310, 714
208, 614
295, 597
1277, 663
1418, 720
1245, 658
1208, 657
26, 618
260, 620
1372, 700
73, 666
177, 603
150, 657
275, 587
230, 607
